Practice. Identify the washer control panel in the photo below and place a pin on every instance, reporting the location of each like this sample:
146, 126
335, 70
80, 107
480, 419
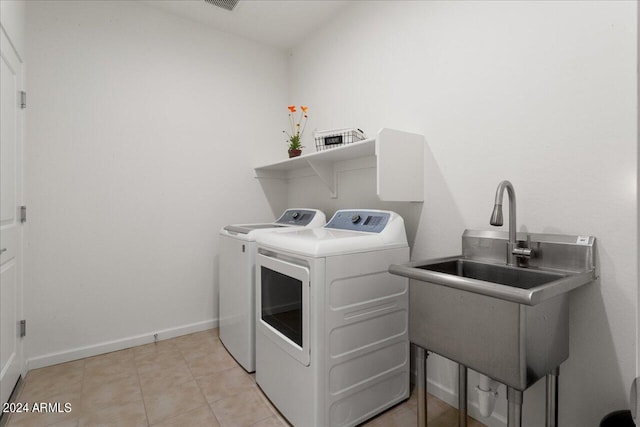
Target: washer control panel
359, 220
296, 217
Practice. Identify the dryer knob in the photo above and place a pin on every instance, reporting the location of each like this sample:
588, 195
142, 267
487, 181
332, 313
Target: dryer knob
355, 219
296, 215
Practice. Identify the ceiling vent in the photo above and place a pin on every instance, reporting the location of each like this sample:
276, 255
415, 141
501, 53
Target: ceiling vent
225, 4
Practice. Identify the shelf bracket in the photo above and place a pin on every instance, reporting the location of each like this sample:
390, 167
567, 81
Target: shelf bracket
327, 173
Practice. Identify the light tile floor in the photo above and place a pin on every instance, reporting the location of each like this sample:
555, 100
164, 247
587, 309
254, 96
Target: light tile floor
188, 381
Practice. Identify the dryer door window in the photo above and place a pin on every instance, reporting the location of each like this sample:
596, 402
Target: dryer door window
283, 305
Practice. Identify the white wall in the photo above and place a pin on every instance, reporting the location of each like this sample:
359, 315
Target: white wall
541, 93
143, 132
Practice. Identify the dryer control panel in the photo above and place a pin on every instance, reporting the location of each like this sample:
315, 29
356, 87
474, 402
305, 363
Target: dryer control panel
371, 221
297, 217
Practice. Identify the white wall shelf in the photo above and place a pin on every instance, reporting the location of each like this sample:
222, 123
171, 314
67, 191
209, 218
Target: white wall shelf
399, 162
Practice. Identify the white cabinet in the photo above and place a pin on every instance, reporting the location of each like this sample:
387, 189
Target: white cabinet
397, 156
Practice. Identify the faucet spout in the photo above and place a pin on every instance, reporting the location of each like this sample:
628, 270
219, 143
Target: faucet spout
497, 218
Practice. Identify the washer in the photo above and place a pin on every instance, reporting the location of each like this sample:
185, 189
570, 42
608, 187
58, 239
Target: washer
332, 343
237, 279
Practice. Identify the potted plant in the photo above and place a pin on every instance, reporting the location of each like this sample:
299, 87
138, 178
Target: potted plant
297, 129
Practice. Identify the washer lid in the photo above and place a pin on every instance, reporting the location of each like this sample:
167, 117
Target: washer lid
246, 228
290, 219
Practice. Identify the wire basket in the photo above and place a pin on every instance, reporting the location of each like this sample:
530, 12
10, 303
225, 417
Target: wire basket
337, 138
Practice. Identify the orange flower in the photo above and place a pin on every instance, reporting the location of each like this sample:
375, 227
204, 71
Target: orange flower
298, 125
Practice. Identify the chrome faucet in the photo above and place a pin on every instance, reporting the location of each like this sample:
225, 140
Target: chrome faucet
496, 219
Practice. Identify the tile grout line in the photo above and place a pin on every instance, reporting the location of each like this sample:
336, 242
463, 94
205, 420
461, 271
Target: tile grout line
84, 367
198, 385
144, 403
200, 388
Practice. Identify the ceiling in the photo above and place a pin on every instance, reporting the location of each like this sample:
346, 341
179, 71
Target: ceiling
279, 23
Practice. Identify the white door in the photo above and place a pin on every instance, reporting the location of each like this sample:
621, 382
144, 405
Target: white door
10, 226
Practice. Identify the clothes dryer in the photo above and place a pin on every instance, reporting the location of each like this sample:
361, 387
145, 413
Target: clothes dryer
332, 344
237, 279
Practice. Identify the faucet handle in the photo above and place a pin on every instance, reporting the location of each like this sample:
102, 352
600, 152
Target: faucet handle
522, 252
525, 252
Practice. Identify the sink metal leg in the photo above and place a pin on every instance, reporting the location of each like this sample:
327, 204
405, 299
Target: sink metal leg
462, 395
552, 398
421, 384
514, 398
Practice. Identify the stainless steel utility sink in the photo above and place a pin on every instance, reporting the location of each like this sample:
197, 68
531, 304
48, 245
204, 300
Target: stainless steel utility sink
510, 323
501, 308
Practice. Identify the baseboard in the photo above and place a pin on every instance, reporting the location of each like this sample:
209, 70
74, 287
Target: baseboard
120, 344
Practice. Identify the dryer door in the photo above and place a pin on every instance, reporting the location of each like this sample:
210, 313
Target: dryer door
283, 305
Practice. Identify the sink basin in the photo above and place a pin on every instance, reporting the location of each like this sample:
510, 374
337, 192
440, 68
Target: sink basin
516, 277
528, 286
509, 323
